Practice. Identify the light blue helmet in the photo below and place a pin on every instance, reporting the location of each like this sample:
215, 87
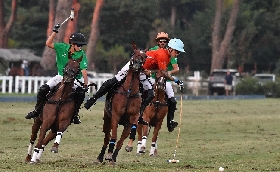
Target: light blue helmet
176, 44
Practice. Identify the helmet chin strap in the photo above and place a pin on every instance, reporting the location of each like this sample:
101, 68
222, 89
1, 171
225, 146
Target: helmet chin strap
73, 49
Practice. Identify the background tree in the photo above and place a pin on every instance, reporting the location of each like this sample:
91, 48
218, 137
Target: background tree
62, 12
94, 33
254, 46
6, 27
220, 46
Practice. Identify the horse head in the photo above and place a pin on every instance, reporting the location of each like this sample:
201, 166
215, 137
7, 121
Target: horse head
138, 58
160, 81
71, 70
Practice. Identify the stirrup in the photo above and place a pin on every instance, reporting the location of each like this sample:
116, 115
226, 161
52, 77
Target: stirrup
174, 123
32, 114
76, 120
141, 121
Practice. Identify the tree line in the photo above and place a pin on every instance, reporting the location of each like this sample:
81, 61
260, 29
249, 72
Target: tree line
240, 34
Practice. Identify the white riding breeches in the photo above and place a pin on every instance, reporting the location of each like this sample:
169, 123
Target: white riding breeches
123, 72
147, 82
57, 79
169, 90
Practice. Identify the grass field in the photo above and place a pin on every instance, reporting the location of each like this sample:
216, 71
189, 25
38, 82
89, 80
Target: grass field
239, 135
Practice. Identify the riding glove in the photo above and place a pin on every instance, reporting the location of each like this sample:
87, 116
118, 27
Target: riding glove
56, 27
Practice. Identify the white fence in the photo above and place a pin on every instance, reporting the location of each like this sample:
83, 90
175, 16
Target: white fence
31, 84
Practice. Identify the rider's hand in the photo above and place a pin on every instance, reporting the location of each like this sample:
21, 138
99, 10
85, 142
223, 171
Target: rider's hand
85, 88
147, 72
180, 83
56, 28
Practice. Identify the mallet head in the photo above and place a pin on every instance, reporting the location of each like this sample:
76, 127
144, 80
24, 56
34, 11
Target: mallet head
172, 160
72, 14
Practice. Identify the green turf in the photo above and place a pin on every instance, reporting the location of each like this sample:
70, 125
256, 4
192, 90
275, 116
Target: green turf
239, 135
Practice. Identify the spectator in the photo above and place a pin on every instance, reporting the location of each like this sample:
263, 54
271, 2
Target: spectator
24, 66
228, 83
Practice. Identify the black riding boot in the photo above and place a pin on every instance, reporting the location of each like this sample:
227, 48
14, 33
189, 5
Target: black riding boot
41, 98
106, 86
147, 100
79, 99
171, 124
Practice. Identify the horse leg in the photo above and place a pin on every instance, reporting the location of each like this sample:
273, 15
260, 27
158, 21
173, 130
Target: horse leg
124, 135
43, 130
153, 150
114, 126
62, 127
106, 130
140, 133
144, 139
35, 129
129, 146
46, 140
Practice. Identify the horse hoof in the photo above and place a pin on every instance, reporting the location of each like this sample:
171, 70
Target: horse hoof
32, 163
28, 159
153, 155
112, 163
142, 150
54, 150
97, 161
109, 157
128, 148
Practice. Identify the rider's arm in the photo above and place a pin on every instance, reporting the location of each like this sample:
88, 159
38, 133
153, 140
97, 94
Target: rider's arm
49, 41
173, 62
175, 69
84, 73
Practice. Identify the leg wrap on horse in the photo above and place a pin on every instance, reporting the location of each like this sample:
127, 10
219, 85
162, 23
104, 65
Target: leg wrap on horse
106, 86
102, 153
133, 132
115, 154
111, 145
170, 115
41, 98
79, 99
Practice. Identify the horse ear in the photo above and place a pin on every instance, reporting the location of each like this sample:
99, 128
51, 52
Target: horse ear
134, 46
80, 59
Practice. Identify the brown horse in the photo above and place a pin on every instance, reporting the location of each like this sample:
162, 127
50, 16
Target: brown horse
57, 113
154, 114
124, 108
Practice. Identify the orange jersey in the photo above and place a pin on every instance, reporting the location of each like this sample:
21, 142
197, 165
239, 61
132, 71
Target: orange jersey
157, 59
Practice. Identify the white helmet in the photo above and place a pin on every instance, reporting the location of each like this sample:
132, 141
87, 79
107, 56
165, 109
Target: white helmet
176, 44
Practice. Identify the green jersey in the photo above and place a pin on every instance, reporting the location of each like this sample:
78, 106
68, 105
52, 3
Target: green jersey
62, 58
173, 60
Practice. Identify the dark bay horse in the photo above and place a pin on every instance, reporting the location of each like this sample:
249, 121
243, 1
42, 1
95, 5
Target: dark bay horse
154, 114
56, 114
125, 108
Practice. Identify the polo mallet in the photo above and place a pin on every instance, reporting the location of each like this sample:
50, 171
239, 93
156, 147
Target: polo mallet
179, 129
71, 16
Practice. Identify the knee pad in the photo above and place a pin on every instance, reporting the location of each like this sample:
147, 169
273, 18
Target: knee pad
172, 100
44, 89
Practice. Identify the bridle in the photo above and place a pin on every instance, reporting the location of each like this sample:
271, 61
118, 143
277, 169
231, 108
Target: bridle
136, 63
69, 74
